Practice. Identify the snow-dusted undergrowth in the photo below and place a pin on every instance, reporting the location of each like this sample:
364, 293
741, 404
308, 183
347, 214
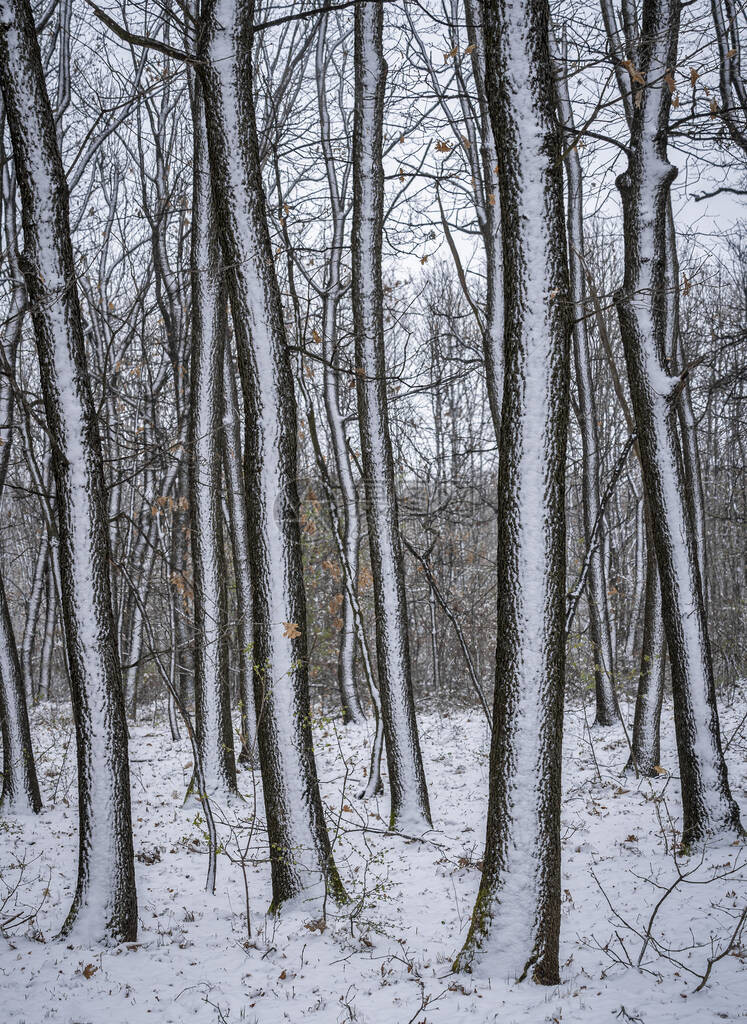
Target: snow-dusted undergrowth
384, 959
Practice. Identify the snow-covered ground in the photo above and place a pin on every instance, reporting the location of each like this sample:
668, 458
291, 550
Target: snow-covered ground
385, 958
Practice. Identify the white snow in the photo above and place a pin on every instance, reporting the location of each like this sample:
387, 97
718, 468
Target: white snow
392, 947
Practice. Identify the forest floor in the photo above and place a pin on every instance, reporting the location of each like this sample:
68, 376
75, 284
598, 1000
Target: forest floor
384, 959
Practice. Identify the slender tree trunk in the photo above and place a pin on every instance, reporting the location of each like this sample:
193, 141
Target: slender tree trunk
434, 642
209, 329
20, 792
490, 223
237, 510
352, 710
409, 795
300, 851
33, 614
180, 594
516, 920
639, 581
374, 785
645, 752
105, 903
599, 621
644, 188
50, 621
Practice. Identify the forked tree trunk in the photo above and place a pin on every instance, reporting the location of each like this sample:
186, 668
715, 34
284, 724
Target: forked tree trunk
105, 904
516, 919
644, 187
209, 329
409, 796
300, 850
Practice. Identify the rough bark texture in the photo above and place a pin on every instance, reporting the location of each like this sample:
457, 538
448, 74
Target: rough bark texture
105, 901
516, 920
300, 850
708, 807
409, 795
209, 329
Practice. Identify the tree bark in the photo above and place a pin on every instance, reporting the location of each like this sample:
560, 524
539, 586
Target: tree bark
105, 904
234, 475
599, 621
352, 711
708, 806
516, 921
209, 329
300, 851
645, 754
409, 795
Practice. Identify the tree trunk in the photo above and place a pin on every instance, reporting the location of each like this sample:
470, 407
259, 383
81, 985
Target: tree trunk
409, 796
490, 224
516, 920
352, 710
300, 851
50, 622
644, 187
20, 792
105, 903
209, 329
33, 614
645, 754
599, 621
234, 475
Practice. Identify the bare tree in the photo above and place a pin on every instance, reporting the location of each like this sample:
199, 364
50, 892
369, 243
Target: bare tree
301, 854
516, 919
105, 901
645, 321
209, 330
409, 795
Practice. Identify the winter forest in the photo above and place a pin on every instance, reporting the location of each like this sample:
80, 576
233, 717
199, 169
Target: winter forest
373, 419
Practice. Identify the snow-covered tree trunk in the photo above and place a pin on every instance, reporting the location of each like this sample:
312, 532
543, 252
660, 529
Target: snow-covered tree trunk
644, 188
490, 223
352, 710
50, 622
33, 614
20, 792
209, 330
234, 476
105, 904
300, 849
645, 754
639, 582
596, 591
409, 794
516, 919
